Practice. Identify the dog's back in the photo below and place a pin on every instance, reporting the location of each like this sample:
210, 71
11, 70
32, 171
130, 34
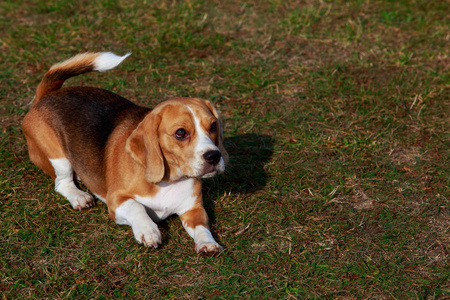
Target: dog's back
83, 119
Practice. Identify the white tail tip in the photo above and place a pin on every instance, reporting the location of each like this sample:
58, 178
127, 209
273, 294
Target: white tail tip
108, 60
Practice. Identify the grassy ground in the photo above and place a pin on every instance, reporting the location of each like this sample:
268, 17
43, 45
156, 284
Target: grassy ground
337, 123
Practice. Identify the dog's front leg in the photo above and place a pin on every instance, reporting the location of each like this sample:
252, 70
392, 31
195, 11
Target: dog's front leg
145, 231
195, 221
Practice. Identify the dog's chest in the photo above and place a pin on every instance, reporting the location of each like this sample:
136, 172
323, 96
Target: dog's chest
174, 198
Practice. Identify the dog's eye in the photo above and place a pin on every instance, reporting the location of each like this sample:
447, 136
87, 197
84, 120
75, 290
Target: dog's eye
213, 127
181, 134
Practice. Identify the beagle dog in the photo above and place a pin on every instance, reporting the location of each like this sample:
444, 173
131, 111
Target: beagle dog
144, 164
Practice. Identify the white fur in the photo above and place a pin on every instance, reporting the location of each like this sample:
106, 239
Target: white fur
174, 198
134, 214
100, 198
65, 185
203, 239
204, 144
108, 60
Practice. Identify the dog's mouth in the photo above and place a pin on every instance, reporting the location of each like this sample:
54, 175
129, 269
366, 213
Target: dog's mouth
209, 175
211, 171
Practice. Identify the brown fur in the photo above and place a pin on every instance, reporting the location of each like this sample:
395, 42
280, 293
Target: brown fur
42, 142
197, 215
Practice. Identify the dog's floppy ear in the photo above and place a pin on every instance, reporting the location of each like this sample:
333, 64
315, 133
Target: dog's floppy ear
143, 146
213, 109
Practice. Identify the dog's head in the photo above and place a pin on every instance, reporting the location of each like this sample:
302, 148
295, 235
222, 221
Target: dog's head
182, 137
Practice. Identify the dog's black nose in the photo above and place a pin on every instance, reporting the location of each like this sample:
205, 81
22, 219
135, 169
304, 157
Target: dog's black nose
212, 157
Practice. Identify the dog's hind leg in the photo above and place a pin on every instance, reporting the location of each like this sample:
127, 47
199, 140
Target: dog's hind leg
46, 152
65, 185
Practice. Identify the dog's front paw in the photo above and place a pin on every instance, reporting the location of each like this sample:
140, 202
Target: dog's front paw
147, 234
80, 200
208, 248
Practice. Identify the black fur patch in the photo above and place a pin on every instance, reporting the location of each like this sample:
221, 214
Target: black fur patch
84, 118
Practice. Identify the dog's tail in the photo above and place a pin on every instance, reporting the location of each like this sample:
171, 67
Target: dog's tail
77, 65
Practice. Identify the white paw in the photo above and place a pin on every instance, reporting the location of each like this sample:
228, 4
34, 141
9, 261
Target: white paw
80, 200
208, 248
147, 234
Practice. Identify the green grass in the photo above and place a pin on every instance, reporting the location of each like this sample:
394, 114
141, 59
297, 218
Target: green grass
337, 125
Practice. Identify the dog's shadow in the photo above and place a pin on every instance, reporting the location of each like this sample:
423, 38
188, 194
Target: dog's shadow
245, 172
